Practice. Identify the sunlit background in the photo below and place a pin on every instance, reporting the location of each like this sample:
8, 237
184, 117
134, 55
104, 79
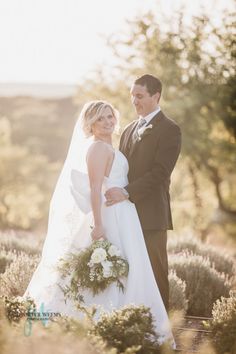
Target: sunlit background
57, 54
63, 41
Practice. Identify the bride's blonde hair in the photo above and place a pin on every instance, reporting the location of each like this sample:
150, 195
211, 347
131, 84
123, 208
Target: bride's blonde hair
90, 113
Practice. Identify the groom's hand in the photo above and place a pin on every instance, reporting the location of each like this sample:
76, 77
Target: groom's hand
115, 195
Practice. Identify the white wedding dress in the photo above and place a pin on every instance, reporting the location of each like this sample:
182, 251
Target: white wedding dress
122, 228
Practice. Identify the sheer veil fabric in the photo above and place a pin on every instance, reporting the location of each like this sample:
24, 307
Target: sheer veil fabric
65, 218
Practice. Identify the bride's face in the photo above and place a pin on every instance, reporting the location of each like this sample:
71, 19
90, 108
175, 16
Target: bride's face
105, 124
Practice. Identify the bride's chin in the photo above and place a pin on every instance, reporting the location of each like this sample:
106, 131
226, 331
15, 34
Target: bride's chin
108, 132
103, 136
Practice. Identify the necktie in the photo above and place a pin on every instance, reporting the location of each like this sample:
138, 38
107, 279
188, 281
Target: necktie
141, 122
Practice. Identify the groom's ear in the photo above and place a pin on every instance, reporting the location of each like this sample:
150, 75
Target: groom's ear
157, 96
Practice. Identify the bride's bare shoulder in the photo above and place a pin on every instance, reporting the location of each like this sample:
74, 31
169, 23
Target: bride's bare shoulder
99, 149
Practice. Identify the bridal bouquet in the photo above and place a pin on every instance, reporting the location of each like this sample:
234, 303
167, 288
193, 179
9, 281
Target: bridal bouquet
94, 268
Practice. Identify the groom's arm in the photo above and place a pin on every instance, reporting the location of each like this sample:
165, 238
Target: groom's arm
163, 165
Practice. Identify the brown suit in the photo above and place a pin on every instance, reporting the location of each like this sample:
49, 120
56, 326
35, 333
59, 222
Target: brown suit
151, 162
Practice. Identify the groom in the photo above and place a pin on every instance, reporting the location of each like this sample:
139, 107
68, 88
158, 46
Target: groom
152, 146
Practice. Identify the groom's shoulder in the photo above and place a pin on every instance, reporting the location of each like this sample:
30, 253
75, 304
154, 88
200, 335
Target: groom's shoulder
169, 122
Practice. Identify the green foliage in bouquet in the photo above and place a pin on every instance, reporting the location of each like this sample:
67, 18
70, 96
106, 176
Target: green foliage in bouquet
94, 268
131, 326
223, 325
17, 308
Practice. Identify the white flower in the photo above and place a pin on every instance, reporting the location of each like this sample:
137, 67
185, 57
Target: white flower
143, 129
107, 269
106, 264
98, 255
90, 264
107, 273
113, 251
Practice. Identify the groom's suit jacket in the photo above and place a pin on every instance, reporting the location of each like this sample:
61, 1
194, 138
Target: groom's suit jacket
151, 162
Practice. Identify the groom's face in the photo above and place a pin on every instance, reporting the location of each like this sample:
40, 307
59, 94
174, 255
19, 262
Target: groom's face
143, 102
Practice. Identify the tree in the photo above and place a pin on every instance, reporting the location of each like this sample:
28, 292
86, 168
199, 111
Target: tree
24, 193
196, 63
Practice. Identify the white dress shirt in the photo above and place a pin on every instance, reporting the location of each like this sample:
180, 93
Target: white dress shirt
149, 117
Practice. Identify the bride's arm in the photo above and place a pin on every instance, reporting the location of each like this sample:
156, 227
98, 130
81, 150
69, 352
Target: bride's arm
97, 159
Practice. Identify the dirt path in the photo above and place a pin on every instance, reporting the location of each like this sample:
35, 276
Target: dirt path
191, 334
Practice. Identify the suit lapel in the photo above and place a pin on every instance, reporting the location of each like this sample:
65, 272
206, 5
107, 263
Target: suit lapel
129, 138
134, 139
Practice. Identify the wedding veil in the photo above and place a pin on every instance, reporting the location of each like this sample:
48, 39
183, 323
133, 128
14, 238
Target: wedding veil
69, 209
70, 214
65, 207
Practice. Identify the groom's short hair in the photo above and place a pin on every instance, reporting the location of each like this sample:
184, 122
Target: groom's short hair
152, 83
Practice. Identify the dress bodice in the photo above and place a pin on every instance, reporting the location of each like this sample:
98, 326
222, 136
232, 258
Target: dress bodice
118, 176
80, 185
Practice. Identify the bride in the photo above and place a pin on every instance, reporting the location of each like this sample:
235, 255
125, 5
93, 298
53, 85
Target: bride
78, 206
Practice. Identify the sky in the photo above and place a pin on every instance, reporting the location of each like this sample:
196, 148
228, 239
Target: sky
62, 41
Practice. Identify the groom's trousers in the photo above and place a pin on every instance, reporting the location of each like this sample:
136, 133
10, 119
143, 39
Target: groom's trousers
156, 243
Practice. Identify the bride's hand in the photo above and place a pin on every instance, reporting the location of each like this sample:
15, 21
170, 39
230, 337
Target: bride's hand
98, 232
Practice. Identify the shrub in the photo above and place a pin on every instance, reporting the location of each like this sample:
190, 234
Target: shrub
17, 275
204, 285
12, 242
184, 243
177, 298
223, 325
5, 259
17, 308
128, 327
45, 340
222, 262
